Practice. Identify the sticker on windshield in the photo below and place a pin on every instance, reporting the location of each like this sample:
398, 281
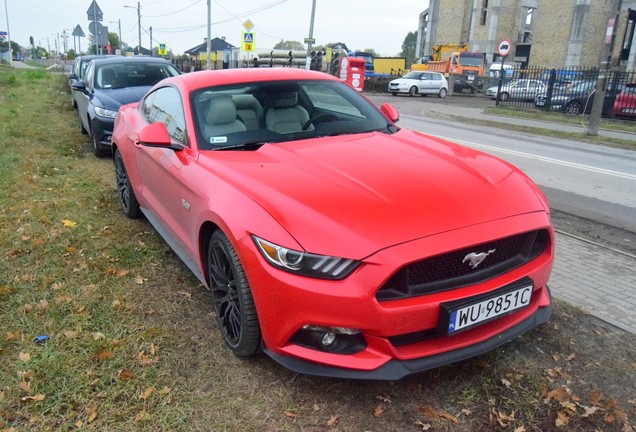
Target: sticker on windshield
218, 140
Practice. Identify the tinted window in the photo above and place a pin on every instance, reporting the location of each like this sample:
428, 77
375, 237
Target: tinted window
88, 78
164, 105
131, 74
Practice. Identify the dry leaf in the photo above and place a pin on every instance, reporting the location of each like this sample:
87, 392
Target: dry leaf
1, 395
153, 349
116, 303
165, 390
506, 382
570, 357
316, 407
79, 424
147, 393
104, 355
561, 420
37, 398
43, 305
559, 394
448, 416
63, 299
466, 411
98, 336
291, 414
609, 418
384, 398
92, 413
125, 375
69, 223
429, 412
595, 397
140, 416
24, 357
139, 280
568, 406
588, 411
424, 426
71, 334
25, 386
27, 308
520, 429
333, 421
379, 409
13, 336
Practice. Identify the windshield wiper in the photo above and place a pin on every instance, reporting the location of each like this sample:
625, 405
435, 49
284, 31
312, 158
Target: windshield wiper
250, 145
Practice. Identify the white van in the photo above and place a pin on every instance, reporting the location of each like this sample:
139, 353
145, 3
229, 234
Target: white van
495, 70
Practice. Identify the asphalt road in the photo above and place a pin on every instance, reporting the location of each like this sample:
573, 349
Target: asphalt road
590, 187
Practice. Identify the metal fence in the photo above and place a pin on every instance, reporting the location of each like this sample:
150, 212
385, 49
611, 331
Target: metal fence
567, 90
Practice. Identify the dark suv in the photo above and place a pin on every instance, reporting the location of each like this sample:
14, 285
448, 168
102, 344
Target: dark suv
577, 98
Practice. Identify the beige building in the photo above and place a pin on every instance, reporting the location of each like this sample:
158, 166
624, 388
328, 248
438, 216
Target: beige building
548, 33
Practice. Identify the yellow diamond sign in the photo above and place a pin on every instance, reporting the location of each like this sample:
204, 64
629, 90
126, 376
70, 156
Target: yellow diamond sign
248, 25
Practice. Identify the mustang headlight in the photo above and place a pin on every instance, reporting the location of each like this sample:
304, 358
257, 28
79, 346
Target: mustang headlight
102, 112
304, 263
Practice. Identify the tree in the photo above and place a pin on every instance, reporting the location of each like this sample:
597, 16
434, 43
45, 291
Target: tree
290, 45
408, 48
113, 38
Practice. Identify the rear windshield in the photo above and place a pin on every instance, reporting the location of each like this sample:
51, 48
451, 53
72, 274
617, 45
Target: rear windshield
121, 75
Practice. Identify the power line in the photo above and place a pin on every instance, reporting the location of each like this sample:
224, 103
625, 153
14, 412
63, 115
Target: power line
173, 13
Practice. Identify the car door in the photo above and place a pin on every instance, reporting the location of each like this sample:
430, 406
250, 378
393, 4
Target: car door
83, 98
160, 169
425, 83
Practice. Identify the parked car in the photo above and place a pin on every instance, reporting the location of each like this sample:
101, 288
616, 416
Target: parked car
520, 89
335, 241
422, 83
577, 98
78, 67
109, 83
625, 104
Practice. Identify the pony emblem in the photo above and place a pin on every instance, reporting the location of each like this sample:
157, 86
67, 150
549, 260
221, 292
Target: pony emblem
474, 259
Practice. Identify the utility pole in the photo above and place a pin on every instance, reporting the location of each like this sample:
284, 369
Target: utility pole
605, 60
150, 41
209, 41
6, 10
311, 35
139, 24
121, 51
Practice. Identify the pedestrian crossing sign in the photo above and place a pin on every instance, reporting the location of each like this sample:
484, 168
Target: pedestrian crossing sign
163, 50
248, 41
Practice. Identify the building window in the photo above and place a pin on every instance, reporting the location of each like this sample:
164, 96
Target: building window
484, 12
578, 21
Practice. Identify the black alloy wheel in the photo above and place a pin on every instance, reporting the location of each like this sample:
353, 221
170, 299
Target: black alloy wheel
233, 302
129, 204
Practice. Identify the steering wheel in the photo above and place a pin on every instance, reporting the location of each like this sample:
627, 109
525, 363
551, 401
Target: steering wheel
322, 117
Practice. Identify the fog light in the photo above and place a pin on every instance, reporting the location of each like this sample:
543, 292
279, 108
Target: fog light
328, 339
339, 340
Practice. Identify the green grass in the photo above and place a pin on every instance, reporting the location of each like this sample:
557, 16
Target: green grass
134, 346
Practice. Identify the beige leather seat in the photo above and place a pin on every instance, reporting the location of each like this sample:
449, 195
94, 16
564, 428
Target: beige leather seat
221, 118
249, 111
285, 115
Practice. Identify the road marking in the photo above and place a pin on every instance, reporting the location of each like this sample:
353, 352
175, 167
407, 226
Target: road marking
542, 158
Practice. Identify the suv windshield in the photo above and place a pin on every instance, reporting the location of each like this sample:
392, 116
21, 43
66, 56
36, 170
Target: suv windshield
251, 114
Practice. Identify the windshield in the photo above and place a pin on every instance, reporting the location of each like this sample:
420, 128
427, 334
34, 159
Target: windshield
471, 61
129, 74
413, 75
251, 114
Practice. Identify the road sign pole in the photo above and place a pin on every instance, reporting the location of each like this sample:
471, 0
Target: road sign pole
311, 35
501, 76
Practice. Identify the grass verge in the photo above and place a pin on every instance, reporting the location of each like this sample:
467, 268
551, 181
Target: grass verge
104, 329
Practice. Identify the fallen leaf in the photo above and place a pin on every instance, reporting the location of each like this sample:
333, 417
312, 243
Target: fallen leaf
63, 299
92, 413
27, 308
43, 305
25, 386
116, 303
69, 223
125, 375
379, 409
71, 334
504, 419
24, 357
561, 420
153, 349
104, 355
595, 397
98, 336
165, 390
139, 280
122, 273
316, 407
384, 398
448, 416
333, 421
140, 416
559, 394
570, 357
429, 412
589, 411
466, 411
1, 395
570, 406
506, 382
37, 398
147, 393
291, 414
12, 336
424, 426
520, 429
609, 418
79, 424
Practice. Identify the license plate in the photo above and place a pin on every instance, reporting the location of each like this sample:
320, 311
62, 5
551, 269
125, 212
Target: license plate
471, 77
466, 316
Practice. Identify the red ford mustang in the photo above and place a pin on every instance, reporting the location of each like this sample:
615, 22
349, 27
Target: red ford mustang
331, 239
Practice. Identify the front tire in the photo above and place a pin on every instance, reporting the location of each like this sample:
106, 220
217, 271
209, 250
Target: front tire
413, 91
442, 93
504, 97
127, 198
573, 108
233, 302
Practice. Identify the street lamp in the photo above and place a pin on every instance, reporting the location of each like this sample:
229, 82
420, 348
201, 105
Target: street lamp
138, 22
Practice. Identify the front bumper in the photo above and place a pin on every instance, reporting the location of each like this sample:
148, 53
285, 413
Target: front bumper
102, 130
286, 302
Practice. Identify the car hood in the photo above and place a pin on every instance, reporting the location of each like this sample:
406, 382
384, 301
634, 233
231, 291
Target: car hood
365, 192
403, 81
112, 99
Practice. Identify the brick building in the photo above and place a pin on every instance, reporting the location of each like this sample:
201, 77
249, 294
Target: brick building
550, 33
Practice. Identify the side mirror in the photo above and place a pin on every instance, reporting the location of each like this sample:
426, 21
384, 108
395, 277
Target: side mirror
390, 112
79, 86
156, 135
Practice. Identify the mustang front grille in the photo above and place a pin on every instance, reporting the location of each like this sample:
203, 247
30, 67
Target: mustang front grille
464, 267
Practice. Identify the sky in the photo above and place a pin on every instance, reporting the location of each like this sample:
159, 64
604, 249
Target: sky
182, 25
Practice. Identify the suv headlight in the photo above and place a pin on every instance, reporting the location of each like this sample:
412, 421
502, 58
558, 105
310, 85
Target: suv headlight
304, 263
102, 112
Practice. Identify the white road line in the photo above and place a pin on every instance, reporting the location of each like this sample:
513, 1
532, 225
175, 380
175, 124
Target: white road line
542, 158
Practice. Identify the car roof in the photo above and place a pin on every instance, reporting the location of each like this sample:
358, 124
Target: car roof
121, 59
207, 78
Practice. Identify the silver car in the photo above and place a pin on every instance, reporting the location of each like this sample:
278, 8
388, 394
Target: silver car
519, 89
422, 83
